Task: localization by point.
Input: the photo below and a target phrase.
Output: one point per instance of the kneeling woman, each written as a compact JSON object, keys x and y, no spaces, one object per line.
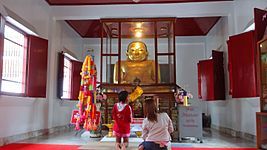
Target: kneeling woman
{"x":157,"y":128}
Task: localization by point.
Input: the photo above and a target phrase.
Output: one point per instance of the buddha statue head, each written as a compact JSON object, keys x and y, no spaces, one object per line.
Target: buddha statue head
{"x":137,"y":51}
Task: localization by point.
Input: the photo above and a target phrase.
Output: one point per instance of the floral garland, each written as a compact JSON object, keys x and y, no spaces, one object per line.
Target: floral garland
{"x":181,"y":96}
{"x":87,"y":97}
{"x":100,"y":96}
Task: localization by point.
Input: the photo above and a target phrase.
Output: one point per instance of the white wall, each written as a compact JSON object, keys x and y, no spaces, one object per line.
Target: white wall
{"x":143,"y":10}
{"x":62,"y":37}
{"x":22,"y":114}
{"x":95,"y":44}
{"x":189,"y":50}
{"x":34,"y":12}
{"x":244,"y":12}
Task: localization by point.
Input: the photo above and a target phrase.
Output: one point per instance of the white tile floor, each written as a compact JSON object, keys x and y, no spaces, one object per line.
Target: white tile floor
{"x":210,"y":139}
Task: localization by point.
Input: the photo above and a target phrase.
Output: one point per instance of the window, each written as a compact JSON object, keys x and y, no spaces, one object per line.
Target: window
{"x":67,"y":78}
{"x":14,"y":61}
{"x":24,"y":65}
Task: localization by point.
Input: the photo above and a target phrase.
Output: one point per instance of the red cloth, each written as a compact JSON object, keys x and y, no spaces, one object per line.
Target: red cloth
{"x":122,"y":119}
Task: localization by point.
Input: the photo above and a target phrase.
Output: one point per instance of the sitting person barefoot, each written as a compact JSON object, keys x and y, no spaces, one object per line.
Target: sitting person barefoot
{"x":141,"y":147}
{"x":157,"y":128}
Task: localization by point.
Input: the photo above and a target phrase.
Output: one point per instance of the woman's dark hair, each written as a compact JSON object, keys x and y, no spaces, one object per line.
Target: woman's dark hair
{"x":150,"y":110}
{"x":123,"y":96}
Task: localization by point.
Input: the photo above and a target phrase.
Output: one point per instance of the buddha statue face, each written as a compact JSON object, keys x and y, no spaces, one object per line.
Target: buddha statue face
{"x":137,"y":51}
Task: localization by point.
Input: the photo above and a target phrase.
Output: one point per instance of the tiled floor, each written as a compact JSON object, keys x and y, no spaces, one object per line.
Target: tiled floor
{"x":210,"y":139}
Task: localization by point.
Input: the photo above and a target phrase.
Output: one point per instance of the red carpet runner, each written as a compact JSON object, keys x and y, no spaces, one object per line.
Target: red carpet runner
{"x":195,"y":148}
{"x":21,"y":146}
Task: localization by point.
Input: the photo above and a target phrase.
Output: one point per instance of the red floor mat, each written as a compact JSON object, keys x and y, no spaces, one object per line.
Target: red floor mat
{"x":21,"y":146}
{"x":213,"y":148}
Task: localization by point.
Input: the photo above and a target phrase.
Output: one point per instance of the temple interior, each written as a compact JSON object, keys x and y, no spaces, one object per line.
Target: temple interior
{"x":63,"y":64}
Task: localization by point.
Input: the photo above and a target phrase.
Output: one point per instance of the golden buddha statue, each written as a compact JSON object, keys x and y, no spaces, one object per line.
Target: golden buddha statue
{"x":136,"y":66}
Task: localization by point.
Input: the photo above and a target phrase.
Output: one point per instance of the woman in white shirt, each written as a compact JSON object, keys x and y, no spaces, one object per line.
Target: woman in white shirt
{"x":157,"y":128}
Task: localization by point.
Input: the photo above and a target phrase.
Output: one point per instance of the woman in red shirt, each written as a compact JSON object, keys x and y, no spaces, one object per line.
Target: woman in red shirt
{"x":122,"y":116}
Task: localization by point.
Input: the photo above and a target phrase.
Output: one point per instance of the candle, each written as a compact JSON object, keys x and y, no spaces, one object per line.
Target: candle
{"x":185,"y":101}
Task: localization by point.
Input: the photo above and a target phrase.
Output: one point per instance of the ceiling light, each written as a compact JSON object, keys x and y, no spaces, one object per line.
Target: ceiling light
{"x":138,"y":32}
{"x":138,"y":25}
{"x":136,"y":1}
